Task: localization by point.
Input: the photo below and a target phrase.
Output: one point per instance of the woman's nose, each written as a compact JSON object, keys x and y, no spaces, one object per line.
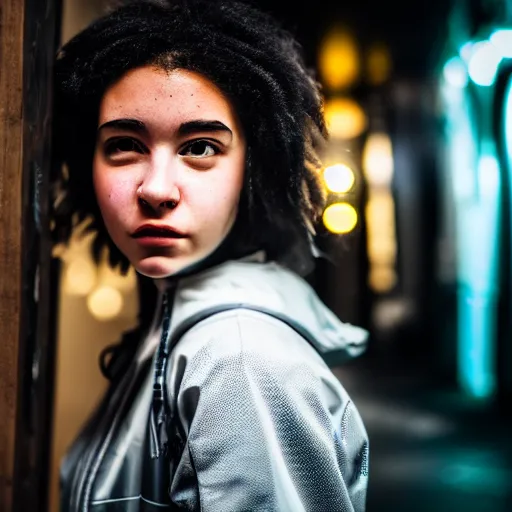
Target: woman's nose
{"x":159,"y":189}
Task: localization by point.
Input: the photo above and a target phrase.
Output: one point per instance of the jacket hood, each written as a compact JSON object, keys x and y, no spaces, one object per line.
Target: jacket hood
{"x":269,"y":287}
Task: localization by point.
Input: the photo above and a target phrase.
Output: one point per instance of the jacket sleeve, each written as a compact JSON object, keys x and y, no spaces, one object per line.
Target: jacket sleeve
{"x":267,"y":425}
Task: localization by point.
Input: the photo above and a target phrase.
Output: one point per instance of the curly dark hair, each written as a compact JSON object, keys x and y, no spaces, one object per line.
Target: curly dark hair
{"x":254,"y":61}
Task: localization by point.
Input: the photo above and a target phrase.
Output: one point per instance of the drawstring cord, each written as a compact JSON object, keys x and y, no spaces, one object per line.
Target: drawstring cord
{"x":158,"y":414}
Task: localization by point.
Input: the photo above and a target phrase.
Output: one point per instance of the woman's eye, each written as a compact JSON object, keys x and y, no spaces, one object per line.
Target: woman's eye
{"x":199,"y":149}
{"x":123,"y":145}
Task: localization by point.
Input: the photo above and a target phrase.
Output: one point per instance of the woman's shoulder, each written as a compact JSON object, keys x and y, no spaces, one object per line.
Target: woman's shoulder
{"x":245,"y":331}
{"x":260,"y":304}
{"x":237,"y":346}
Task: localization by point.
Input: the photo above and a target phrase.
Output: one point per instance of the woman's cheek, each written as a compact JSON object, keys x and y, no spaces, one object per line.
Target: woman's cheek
{"x":112,"y":195}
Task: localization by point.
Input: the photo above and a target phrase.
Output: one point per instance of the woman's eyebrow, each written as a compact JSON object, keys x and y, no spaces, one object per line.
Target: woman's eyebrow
{"x":190,"y":127}
{"x":133,"y":125}
{"x":201,"y":125}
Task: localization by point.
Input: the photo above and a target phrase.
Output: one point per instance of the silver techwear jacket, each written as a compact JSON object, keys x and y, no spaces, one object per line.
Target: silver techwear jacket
{"x":248,"y":416}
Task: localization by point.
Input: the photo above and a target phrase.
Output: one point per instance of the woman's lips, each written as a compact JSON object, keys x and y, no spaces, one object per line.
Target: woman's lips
{"x":157,"y":236}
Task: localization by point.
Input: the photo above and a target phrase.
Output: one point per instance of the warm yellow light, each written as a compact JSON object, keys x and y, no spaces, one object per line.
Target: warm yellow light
{"x":112,"y":277}
{"x":80,"y":276}
{"x":339,"y":178}
{"x":105,"y":303}
{"x":339,"y":62}
{"x":378,"y":159}
{"x":380,"y":208}
{"x":381,"y":239}
{"x":344,"y":118}
{"x":378,"y":64}
{"x":340,"y":218}
{"x":339,"y":59}
{"x":382,"y":279}
{"x":380,"y":227}
{"x":381,"y":250}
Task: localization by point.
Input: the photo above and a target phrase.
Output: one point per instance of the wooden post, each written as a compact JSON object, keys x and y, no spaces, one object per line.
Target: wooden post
{"x":11,"y":137}
{"x":27,"y":49}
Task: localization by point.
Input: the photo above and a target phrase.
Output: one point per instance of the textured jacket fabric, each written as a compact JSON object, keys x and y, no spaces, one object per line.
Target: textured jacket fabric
{"x":256,"y":420}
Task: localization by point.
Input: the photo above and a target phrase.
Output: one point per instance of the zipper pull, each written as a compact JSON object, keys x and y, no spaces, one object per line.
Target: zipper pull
{"x":158,"y":413}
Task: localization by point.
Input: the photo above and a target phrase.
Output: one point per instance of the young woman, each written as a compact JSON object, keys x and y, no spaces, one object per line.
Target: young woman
{"x":188,"y":133}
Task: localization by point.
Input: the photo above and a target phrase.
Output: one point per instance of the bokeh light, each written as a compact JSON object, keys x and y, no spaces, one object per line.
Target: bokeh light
{"x":382,"y":279}
{"x":344,"y":118}
{"x":105,"y":303}
{"x":378,"y":64}
{"x":502,"y":40}
{"x":455,"y":73}
{"x":339,"y":62}
{"x":339,"y":178}
{"x":80,"y":276}
{"x":488,"y":176}
{"x":483,"y":63}
{"x":378,"y":162}
{"x":340,"y":218}
{"x":466,"y":50}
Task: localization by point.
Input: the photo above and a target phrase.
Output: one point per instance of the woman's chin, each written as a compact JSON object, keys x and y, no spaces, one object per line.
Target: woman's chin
{"x":159,"y":267}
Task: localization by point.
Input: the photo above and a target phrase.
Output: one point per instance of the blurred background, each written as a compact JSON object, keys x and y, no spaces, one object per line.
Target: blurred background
{"x":418,"y":101}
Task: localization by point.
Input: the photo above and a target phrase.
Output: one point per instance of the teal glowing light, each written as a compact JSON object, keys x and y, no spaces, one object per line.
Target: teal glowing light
{"x":488,"y":177}
{"x":465,"y":51}
{"x":455,"y":73}
{"x":476,"y":471}
{"x":474,"y":183}
{"x":508,"y":121}
{"x":478,"y":260}
{"x":502,"y":40}
{"x":483,"y":63}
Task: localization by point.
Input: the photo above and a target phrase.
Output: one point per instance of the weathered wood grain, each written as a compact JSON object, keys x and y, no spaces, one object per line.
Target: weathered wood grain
{"x":27,"y":49}
{"x":11,"y":137}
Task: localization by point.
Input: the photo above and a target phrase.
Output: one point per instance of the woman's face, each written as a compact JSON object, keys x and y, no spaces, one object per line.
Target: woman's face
{"x":168,"y":168}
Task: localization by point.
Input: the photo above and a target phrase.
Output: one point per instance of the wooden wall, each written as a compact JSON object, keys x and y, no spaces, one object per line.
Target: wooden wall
{"x":27,"y":48}
{"x":11,"y":137}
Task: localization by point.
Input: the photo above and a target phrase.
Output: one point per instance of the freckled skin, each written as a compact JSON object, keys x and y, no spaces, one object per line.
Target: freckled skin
{"x":206,"y":188}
